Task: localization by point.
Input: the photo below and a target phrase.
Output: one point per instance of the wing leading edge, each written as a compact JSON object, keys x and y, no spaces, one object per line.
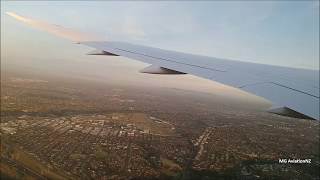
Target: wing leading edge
{"x":296,"y":89}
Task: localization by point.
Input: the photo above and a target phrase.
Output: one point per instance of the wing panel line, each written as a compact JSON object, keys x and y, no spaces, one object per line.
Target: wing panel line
{"x":277,"y":84}
{"x":170,"y":60}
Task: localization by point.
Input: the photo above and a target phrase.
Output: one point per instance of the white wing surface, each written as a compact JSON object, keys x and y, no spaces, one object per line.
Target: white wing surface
{"x":295,"y":89}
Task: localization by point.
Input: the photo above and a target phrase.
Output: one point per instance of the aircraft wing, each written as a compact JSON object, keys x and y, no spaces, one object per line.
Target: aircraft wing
{"x":296,"y":90}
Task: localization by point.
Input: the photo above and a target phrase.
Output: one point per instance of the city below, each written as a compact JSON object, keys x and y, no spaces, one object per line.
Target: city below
{"x":71,"y":129}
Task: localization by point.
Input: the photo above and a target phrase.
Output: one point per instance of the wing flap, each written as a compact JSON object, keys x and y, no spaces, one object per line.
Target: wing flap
{"x":284,"y":111}
{"x":282,"y":96}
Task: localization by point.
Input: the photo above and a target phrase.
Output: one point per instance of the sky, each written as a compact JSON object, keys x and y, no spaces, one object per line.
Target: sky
{"x":284,"y":33}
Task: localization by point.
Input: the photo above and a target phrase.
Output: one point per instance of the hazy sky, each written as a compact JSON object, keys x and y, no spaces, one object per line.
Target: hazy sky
{"x":282,"y":33}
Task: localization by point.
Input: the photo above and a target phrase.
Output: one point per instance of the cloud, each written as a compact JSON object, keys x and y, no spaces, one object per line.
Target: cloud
{"x":55,"y":29}
{"x":132,"y":28}
{"x":127,"y":29}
